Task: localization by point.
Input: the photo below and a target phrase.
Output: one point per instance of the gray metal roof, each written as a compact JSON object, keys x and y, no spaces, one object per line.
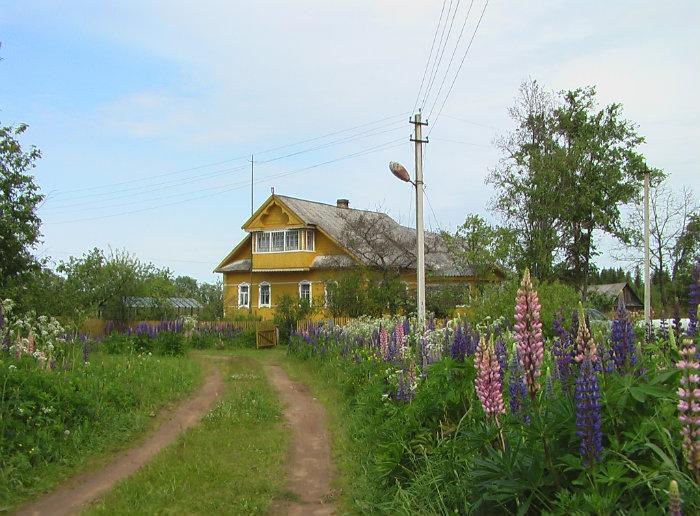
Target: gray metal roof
{"x":152,"y":302}
{"x":334,"y":221}
{"x":238,"y":265}
{"x":608,"y":289}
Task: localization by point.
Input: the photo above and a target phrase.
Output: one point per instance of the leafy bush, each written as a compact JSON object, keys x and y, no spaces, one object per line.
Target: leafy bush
{"x":423,"y":443}
{"x":496,"y":300}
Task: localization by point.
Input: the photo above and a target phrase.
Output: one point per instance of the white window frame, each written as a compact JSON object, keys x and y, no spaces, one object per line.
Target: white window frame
{"x":305,"y":237}
{"x":247,"y":285}
{"x":258,"y":237}
{"x":311,"y":290}
{"x":269,"y":295}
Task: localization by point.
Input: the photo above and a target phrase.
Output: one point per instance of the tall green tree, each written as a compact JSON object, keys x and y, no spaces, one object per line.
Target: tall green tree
{"x":599,"y":171}
{"x":567,"y":169}
{"x":19,"y":200}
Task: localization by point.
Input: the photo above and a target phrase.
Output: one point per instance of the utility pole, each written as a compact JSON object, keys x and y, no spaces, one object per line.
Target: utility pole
{"x":647,"y":266}
{"x":420,"y":232}
{"x":250,"y":287}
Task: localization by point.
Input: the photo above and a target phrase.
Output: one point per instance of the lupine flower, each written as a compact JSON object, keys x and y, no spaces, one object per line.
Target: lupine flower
{"x":472,"y":341}
{"x":516,"y":387}
{"x":677,"y":328}
{"x":501,"y":355}
{"x":528,"y":333}
{"x":689,"y":405}
{"x":588,"y":421}
{"x":663,"y":329}
{"x":407,"y":382}
{"x":383,"y":343}
{"x":400,"y":336}
{"x":407,"y":326}
{"x":622,"y":335}
{"x":488,"y":379}
{"x":562,"y":349}
{"x":674,"y":500}
{"x":585,"y":345}
{"x":459,"y":345}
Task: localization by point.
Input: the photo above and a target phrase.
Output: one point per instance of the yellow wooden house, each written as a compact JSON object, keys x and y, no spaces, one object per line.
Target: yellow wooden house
{"x":297,"y":247}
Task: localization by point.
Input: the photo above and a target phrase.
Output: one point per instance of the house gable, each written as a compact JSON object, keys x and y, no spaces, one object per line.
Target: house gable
{"x":273,"y":214}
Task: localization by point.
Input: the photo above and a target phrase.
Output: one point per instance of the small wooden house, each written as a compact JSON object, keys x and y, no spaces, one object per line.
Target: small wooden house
{"x":620,"y":292}
{"x":296,"y":247}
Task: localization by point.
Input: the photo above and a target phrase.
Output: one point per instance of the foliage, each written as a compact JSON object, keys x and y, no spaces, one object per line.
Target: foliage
{"x":52,"y":421}
{"x":568,"y":168}
{"x":19,"y":200}
{"x":495,"y":300}
{"x":288,"y":312}
{"x":600,"y":431}
{"x":478,"y":248}
{"x":363,"y":291}
{"x":441,"y":300}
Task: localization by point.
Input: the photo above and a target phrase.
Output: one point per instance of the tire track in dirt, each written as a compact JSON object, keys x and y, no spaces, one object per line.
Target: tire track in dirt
{"x":77,"y":492}
{"x":310,"y":468}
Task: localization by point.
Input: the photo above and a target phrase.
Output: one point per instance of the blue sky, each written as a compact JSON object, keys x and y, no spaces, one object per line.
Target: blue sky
{"x":131,"y":101}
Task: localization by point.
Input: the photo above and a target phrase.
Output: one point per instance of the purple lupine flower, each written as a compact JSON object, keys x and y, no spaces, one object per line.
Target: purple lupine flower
{"x":431,"y":324}
{"x":473,"y":339}
{"x":528,"y":333}
{"x":694,"y":301}
{"x":677,"y":328}
{"x":563,"y":351}
{"x":622,"y":335}
{"x":689,"y":405}
{"x":588,"y":419}
{"x":399,"y":335}
{"x":674,"y":500}
{"x":501,"y":355}
{"x":516,"y":387}
{"x":459,"y":345}
{"x":406,"y":326}
{"x":407,"y":381}
{"x":488,"y":379}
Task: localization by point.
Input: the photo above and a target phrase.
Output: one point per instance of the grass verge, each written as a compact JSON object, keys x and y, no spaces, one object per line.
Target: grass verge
{"x":54,"y":424}
{"x":232,"y":463}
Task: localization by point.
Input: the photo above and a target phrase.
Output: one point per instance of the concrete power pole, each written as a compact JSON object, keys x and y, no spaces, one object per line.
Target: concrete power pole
{"x":647,"y":266}
{"x":420,"y":232}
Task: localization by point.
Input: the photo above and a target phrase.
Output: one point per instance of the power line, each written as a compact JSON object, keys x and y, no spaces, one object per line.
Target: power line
{"x":442,"y":52}
{"x":433,"y":69}
{"x":466,"y":52}
{"x":430,"y":55}
{"x":471,"y":122}
{"x":461,"y":142}
{"x":449,"y":65}
{"x":177,"y":183}
{"x":387,"y":145}
{"x":237,"y":158}
{"x":174,"y":183}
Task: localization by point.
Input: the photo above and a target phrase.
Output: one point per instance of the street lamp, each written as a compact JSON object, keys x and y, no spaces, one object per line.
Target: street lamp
{"x":401,"y":173}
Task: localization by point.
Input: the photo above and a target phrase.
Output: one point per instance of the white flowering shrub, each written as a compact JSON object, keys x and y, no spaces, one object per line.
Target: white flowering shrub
{"x":40,"y":337}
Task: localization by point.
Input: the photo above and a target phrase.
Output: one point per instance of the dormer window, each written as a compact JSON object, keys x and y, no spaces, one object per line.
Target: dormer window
{"x":287,"y":240}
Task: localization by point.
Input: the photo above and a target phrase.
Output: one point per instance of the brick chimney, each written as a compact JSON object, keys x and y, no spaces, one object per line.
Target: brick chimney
{"x":342,"y":203}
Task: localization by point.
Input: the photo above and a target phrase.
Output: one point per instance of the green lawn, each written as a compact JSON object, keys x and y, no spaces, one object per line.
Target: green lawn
{"x":232,"y":463}
{"x":54,"y":424}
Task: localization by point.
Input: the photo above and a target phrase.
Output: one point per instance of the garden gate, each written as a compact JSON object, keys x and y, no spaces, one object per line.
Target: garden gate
{"x":266,"y":334}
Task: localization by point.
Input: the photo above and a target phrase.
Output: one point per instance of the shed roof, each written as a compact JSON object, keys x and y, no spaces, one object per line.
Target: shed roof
{"x":152,"y":302}
{"x":615,"y":290}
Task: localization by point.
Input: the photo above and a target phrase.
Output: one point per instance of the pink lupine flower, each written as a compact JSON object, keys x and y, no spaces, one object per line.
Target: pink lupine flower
{"x":488,"y":378}
{"x":31,"y":344}
{"x":383,"y":342}
{"x":528,"y":333}
{"x":585,"y":345}
{"x":689,"y":405}
{"x":400,"y":335}
{"x":674,"y":500}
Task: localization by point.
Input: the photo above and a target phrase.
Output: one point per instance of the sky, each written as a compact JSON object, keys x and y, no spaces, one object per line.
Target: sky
{"x":147,"y":112}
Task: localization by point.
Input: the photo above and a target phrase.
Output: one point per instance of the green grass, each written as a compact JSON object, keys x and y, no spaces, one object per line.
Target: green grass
{"x":54,"y":424}
{"x":232,"y":463}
